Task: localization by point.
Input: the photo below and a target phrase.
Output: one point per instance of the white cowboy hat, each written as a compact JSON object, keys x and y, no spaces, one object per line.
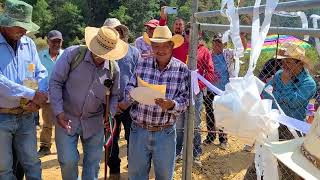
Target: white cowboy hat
{"x":302,"y":155}
{"x":105,"y":43}
{"x":163,"y":34}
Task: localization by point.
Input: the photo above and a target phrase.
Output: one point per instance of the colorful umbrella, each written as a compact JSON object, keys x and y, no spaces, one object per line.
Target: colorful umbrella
{"x":270,"y":44}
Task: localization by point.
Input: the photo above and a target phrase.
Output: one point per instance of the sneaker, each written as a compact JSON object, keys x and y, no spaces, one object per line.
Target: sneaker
{"x":207,"y":141}
{"x":179,"y":158}
{"x":114,"y":177}
{"x":223,"y":145}
{"x":248,"y":148}
{"x":197,"y":161}
{"x":44,"y":151}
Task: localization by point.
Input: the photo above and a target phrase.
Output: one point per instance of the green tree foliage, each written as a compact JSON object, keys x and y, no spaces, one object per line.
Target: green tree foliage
{"x":135,"y":13}
{"x":43,"y":17}
{"x":69,"y":21}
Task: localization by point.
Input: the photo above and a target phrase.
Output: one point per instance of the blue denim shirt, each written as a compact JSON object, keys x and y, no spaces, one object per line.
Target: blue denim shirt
{"x":80,"y":93}
{"x":221,"y":71}
{"x":294,"y":96}
{"x":47,"y":62}
{"x":13,"y":70}
{"x":127,"y":67}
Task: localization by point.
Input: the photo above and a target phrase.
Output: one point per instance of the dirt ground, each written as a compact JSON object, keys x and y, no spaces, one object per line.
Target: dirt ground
{"x":216,"y":163}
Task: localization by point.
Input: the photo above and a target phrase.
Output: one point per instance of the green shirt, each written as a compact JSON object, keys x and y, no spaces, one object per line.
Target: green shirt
{"x":47,"y":62}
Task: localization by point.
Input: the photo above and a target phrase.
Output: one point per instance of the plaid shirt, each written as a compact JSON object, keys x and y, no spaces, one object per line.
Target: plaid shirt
{"x":176,"y":78}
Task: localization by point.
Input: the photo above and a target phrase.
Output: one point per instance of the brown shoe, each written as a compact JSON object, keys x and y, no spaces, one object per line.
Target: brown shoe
{"x":114,"y":177}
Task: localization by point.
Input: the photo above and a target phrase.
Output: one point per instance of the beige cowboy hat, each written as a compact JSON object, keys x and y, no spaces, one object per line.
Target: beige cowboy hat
{"x":115,"y":23}
{"x":105,"y":43}
{"x":163,"y":34}
{"x":301,"y":155}
{"x":294,"y":51}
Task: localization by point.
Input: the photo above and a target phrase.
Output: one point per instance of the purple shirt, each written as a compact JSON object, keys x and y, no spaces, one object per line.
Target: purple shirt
{"x":142,"y":46}
{"x":80,"y":93}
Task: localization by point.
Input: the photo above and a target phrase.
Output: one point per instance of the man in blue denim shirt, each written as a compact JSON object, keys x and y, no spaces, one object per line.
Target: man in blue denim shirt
{"x":17,"y":127}
{"x":222,"y":76}
{"x":127,"y":67}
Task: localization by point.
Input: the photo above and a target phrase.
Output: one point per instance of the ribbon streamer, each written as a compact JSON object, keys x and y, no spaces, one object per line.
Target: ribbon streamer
{"x":259,"y":34}
{"x":315,"y":19}
{"x":290,"y":122}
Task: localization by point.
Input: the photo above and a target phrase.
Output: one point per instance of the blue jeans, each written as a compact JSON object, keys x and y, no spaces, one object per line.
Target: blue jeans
{"x":160,"y":147}
{"x":68,"y":155}
{"x":197,"y":150}
{"x":19,"y":131}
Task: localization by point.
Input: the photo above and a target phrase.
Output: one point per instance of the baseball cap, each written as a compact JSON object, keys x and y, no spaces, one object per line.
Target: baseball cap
{"x":55,"y":34}
{"x":152,"y":23}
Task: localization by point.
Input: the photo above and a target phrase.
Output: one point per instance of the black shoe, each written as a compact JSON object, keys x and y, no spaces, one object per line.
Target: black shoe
{"x":207,"y":141}
{"x":44,"y":151}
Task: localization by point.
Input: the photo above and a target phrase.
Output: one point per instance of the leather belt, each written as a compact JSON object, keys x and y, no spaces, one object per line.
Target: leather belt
{"x":15,"y":111}
{"x":153,"y":128}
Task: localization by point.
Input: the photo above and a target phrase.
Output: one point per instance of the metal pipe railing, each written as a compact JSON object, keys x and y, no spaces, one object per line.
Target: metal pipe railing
{"x":272,"y":30}
{"x":284,"y":6}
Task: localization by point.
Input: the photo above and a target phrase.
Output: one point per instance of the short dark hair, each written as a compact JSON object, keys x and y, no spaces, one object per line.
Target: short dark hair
{"x":179,"y":19}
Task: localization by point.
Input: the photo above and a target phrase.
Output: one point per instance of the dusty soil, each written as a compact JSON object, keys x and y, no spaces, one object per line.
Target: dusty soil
{"x":216,"y":163}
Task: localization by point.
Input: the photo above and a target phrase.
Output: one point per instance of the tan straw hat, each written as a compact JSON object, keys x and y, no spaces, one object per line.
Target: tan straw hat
{"x":105,"y":43}
{"x":163,"y":34}
{"x":302,"y":155}
{"x":294,"y":51}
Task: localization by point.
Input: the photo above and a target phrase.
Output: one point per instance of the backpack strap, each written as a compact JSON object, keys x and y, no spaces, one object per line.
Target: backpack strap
{"x":76,"y":61}
{"x":112,"y":65}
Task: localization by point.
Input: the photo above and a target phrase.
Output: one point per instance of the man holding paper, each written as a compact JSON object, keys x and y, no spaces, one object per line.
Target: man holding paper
{"x":163,"y":95}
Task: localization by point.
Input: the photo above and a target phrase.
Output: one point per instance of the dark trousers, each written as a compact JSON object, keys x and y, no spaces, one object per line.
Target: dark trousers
{"x":114,"y":160}
{"x":211,"y":125}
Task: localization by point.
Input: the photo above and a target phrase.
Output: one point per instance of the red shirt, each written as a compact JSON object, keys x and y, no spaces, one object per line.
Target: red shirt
{"x":205,"y":65}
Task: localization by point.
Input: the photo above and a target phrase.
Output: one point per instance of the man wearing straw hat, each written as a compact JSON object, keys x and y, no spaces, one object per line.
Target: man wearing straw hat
{"x":144,"y":48}
{"x":19,"y":61}
{"x":127,"y":67}
{"x":153,"y":131}
{"x":77,"y":96}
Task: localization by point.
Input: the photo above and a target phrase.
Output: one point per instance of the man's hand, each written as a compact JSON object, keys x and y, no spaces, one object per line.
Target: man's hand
{"x":31,"y":107}
{"x":165,"y":104}
{"x":40,"y":98}
{"x":63,"y":122}
{"x":163,"y":15}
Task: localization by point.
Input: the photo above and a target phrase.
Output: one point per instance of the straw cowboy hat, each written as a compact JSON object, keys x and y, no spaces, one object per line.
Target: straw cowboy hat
{"x":18,"y":13}
{"x":163,"y":34}
{"x":115,"y":23}
{"x":302,"y":155}
{"x":105,"y":43}
{"x":294,"y":51}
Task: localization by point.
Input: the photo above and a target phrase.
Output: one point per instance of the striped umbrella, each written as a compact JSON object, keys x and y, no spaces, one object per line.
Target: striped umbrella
{"x":270,"y":44}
